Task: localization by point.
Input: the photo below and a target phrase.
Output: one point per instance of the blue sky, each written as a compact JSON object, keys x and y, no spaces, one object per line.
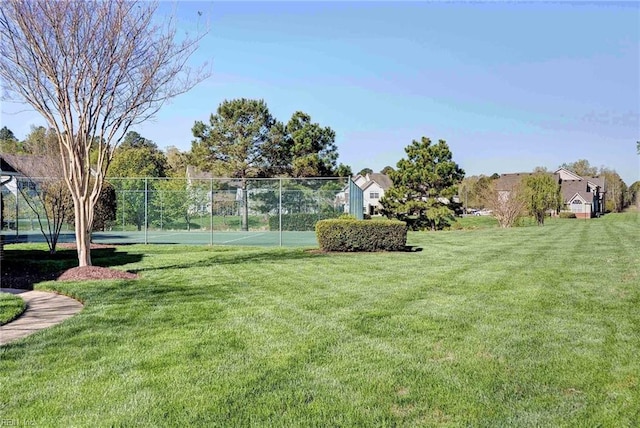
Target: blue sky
{"x":510,"y":86}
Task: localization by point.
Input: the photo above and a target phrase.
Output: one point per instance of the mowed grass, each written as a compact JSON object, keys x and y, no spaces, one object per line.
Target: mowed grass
{"x":531,"y":326}
{"x":10,"y":307}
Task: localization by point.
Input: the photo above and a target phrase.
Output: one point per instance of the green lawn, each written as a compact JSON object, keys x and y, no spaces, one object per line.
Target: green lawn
{"x":530,"y":326}
{"x":10,"y":307}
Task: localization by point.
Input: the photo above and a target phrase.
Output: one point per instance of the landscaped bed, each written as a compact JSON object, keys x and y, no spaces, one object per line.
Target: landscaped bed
{"x":530,"y":326}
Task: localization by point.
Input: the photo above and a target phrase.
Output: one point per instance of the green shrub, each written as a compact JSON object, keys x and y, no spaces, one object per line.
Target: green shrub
{"x":361,"y":235}
{"x":564,"y":214}
{"x":298,"y":221}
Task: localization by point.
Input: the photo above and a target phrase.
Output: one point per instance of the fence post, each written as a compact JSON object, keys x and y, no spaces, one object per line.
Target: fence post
{"x":146,"y":209}
{"x":122,"y":190}
{"x":17,"y":210}
{"x":280,"y":210}
{"x":211,"y":210}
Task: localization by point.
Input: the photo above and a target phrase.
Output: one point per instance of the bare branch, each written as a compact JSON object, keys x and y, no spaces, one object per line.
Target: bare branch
{"x":506,"y":203}
{"x":92,"y":69}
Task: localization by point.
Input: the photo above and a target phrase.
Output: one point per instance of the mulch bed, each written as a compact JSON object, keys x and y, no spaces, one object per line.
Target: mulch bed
{"x":94,"y":272}
{"x":23,"y":276}
{"x":72,"y":246}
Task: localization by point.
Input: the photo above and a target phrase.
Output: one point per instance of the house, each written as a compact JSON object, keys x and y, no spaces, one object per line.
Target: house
{"x":8,"y":184}
{"x":22,"y":172}
{"x":373,"y":186}
{"x":19,"y":173}
{"x":582,"y":196}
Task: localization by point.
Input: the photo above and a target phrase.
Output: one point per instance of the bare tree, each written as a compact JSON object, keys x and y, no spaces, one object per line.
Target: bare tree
{"x":92,"y":69}
{"x":49,"y":199}
{"x":44,"y":189}
{"x":505,"y":201}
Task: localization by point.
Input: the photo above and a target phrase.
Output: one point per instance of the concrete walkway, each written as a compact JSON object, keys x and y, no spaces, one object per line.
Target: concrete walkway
{"x":43,"y":310}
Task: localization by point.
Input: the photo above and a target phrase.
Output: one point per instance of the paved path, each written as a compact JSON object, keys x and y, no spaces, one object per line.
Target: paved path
{"x":43,"y":310}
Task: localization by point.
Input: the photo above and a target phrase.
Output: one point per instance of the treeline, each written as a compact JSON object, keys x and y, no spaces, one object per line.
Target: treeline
{"x":473,"y":189}
{"x":242,"y":139}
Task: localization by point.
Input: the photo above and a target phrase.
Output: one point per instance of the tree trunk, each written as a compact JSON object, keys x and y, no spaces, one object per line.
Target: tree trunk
{"x":83,"y":231}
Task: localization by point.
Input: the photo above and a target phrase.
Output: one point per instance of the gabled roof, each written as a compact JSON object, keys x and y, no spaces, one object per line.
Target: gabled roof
{"x":364,"y":181}
{"x":581,"y":197}
{"x":383,"y":180}
{"x":565,"y":174}
{"x":25,"y":165}
{"x":596,"y":181}
{"x":6,"y":167}
{"x":371,"y":183}
{"x":571,"y":184}
{"x":571,"y":188}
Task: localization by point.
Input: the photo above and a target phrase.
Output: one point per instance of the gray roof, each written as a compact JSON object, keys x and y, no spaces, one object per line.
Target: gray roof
{"x":598,"y":181}
{"x":569,"y":189}
{"x":26,"y":165}
{"x":383,"y":180}
{"x":509,"y":181}
{"x":6,"y":167}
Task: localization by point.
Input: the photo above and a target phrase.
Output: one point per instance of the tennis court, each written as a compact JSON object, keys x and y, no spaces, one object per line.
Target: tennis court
{"x":206,"y":211}
{"x":249,"y":238}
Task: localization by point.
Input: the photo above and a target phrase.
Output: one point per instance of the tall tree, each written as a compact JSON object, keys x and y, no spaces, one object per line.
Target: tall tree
{"x":313,"y":149}
{"x":276,"y":151}
{"x":542,"y":193}
{"x":423,"y":186}
{"x":343,"y":170}
{"x":616,"y":198}
{"x":634,"y":193}
{"x":176,"y":162}
{"x":176,"y":200}
{"x":7,"y":134}
{"x":365,"y":171}
{"x":232,"y":143}
{"x":136,"y":159}
{"x":41,"y":141}
{"x":581,"y":167}
{"x":9,"y":144}
{"x":387,"y":170}
{"x":473,"y":190}
{"x":92,"y":70}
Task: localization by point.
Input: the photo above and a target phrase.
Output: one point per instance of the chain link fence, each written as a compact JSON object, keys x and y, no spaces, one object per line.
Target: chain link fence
{"x":145,"y":210}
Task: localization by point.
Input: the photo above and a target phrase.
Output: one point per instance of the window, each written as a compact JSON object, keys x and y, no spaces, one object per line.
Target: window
{"x":374,"y":195}
{"x":576,"y":206}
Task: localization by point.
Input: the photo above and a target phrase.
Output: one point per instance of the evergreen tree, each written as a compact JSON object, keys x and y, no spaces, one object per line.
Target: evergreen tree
{"x":424,"y":185}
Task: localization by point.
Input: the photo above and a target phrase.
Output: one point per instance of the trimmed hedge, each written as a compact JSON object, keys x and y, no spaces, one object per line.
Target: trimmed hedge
{"x":565,"y":214}
{"x":361,"y":235}
{"x":299,"y":221}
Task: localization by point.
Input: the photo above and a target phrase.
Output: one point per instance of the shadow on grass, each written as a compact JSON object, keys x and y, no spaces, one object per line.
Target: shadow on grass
{"x":23,"y":268}
{"x":235,"y":257}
